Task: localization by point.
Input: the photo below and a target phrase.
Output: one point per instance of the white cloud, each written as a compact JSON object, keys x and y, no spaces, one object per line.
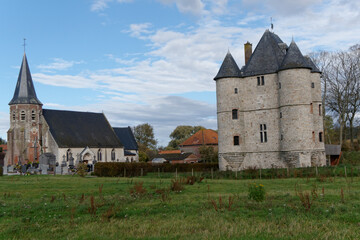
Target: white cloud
{"x":58,"y":64}
{"x":4,"y":124}
{"x":195,"y":7}
{"x":138,"y":30}
{"x":99,"y":5}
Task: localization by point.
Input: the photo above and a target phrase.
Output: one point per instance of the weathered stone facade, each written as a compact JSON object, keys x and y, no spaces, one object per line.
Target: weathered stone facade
{"x":269,"y":117}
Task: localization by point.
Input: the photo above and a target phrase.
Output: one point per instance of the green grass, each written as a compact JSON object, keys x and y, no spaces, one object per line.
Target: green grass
{"x":51,"y":207}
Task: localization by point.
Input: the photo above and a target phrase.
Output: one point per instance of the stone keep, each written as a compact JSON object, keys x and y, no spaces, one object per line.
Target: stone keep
{"x":269,"y":113}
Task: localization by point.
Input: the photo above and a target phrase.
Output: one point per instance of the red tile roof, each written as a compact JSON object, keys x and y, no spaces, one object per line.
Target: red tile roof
{"x":4,"y":147}
{"x":169,"y":151}
{"x":202,"y":137}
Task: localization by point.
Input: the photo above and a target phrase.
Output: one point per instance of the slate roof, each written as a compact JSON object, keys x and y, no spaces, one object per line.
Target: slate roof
{"x":228,"y":68}
{"x":173,"y":156}
{"x":267,"y":56}
{"x":24,"y":91}
{"x":270,"y":56}
{"x":202,"y":137}
{"x":126,"y":137}
{"x":331,"y":149}
{"x":294,"y":58}
{"x":72,"y":129}
{"x":312,"y":65}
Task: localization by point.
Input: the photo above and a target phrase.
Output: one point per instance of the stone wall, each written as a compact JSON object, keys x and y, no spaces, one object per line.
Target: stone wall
{"x":286,"y":112}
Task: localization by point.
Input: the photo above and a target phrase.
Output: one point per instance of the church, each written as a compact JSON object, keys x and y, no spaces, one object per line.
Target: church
{"x":69,"y":137}
{"x":269,"y":112}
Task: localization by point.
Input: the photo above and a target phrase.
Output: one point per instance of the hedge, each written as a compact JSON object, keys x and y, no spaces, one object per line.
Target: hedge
{"x":110,"y":169}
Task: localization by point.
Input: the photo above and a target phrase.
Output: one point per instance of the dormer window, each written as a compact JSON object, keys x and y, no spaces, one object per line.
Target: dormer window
{"x":260,"y":81}
{"x":22,"y":115}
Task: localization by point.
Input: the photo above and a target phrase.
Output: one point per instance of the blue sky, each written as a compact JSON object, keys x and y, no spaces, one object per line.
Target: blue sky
{"x":151,"y":61}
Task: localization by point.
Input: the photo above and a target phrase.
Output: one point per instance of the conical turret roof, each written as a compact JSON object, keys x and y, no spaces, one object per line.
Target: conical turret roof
{"x":267,"y":56}
{"x":294,"y":58}
{"x":228,"y":68}
{"x":24,"y":91}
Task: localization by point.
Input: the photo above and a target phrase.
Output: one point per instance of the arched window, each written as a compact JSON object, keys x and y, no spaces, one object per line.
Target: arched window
{"x":13,"y":116}
{"x":33,"y":115}
{"x":68,"y":155}
{"x":22,"y":114}
{"x":99,"y":155}
{"x":234,"y":114}
{"x":113,"y":154}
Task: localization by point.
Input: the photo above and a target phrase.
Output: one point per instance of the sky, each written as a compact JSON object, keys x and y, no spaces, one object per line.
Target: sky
{"x":151,"y":61}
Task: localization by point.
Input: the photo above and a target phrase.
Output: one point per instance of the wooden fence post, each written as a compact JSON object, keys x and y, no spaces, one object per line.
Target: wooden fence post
{"x":316,"y":171}
{"x":175,"y":173}
{"x":192,"y":172}
{"x":124,"y":172}
{"x":260,"y":173}
{"x":158,"y":172}
{"x":142,"y":172}
{"x":212,"y":173}
{"x":287,"y":172}
{"x":236,"y":173}
{"x":345,"y":171}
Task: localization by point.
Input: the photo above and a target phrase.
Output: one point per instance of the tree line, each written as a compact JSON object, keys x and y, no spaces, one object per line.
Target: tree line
{"x":340,"y":81}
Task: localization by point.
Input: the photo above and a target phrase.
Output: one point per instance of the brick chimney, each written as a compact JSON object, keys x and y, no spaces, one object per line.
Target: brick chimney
{"x":248,"y":51}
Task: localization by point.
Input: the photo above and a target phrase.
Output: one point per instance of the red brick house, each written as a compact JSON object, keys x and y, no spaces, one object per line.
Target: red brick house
{"x":204,"y":137}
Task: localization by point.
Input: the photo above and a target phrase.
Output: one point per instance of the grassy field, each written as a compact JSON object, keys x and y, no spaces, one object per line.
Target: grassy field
{"x":71,"y":207}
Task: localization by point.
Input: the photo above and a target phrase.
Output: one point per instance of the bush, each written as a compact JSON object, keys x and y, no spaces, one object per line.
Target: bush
{"x":1,"y":171}
{"x":256,"y":192}
{"x":117,"y":169}
{"x":81,"y":169}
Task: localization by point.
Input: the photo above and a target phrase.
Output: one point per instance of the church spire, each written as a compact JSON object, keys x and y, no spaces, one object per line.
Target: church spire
{"x":24,"y":91}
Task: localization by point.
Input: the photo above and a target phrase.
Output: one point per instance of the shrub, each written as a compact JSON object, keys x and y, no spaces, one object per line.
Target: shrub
{"x":256,"y":192}
{"x":176,"y":185}
{"x":1,"y":171}
{"x":81,"y":169}
{"x":137,"y":190}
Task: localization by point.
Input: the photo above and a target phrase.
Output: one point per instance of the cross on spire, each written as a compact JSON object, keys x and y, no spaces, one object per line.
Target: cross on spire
{"x":24,"y":44}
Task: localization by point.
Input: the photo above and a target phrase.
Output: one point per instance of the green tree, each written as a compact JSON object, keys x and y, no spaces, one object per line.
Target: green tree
{"x":145,"y":138}
{"x":180,"y":134}
{"x":208,"y":154}
{"x":2,"y":141}
{"x":144,"y":135}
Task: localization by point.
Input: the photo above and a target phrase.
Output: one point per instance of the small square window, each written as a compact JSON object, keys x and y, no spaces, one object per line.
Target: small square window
{"x":258,"y":81}
{"x":234,"y":114}
{"x":279,"y":85}
{"x":280,"y":114}
{"x":235,"y":90}
{"x":312,"y":85}
{"x":262,"y":80}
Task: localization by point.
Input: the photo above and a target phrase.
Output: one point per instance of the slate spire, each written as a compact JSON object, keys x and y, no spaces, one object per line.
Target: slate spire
{"x":228,"y":68}
{"x":294,"y":58}
{"x":24,"y":91}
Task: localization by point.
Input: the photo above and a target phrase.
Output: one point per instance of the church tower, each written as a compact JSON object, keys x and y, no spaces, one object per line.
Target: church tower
{"x":25,"y":109}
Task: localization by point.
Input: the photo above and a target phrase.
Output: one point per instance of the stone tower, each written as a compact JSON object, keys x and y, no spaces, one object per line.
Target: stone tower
{"x":25,"y":110}
{"x":269,"y":112}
